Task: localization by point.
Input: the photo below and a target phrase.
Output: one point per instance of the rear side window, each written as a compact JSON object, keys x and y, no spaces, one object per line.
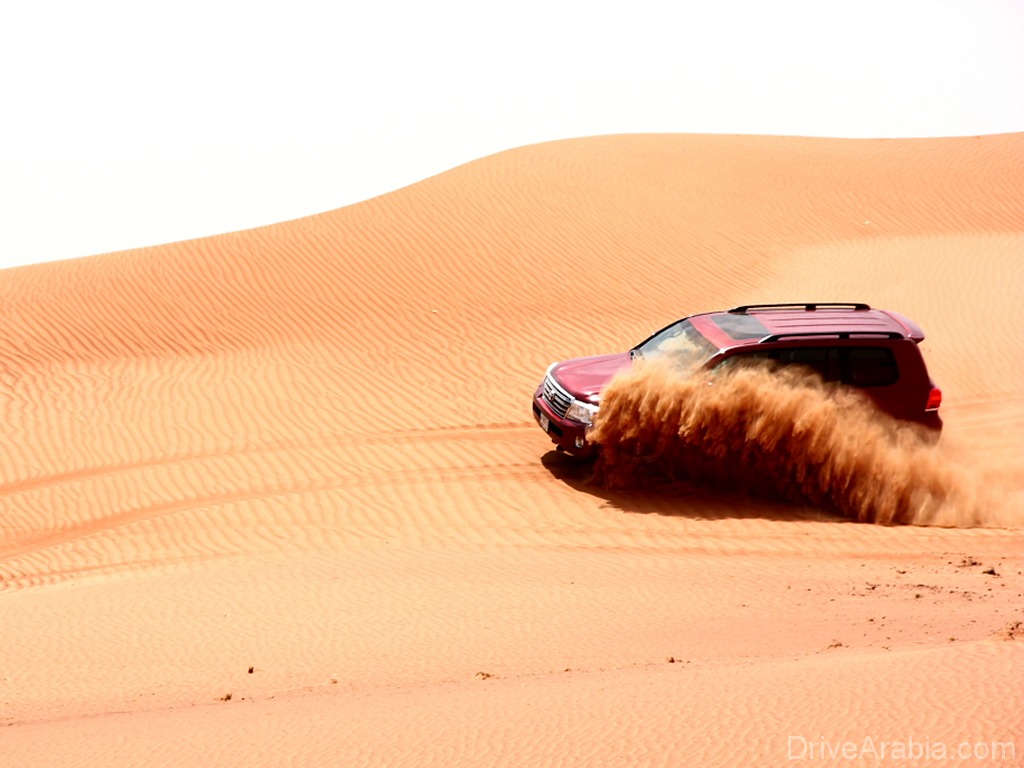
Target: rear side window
{"x":871,"y":366}
{"x":855,"y":366}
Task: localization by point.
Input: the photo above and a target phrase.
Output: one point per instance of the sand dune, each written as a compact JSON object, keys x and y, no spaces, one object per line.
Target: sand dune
{"x":306,"y":450}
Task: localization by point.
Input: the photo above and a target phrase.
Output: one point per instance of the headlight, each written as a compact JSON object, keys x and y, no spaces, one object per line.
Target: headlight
{"x":581,"y":412}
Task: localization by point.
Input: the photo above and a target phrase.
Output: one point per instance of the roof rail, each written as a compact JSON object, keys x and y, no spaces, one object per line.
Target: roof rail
{"x":831,"y":334}
{"x":809,"y":306}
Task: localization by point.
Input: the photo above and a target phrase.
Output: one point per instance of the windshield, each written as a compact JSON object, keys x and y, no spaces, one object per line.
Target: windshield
{"x":680,"y":344}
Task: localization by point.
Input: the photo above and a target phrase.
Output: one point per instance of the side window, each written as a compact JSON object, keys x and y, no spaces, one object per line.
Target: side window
{"x":743,"y":359}
{"x":854,"y":366}
{"x":871,"y":367}
{"x":822,"y":360}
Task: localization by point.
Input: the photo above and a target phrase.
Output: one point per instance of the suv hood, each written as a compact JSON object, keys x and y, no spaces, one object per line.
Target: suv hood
{"x":585,"y":377}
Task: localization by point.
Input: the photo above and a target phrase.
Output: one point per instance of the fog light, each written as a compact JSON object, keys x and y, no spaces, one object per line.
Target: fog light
{"x":580,"y":442}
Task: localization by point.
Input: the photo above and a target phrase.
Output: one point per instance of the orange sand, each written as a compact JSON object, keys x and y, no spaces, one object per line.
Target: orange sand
{"x":275,"y":497}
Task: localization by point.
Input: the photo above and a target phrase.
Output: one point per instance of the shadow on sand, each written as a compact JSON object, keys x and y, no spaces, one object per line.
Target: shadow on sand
{"x":680,"y":498}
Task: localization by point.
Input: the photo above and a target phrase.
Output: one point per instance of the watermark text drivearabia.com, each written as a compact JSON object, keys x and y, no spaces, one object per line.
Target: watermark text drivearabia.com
{"x":910,"y":748}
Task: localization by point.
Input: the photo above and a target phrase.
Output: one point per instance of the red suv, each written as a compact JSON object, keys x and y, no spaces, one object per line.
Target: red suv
{"x":871,"y":349}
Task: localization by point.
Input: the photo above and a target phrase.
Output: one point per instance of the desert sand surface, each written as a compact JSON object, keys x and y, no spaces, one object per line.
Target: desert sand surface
{"x":275,"y":497}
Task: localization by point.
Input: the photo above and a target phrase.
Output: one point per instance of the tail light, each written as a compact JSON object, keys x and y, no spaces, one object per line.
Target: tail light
{"x":934,"y":399}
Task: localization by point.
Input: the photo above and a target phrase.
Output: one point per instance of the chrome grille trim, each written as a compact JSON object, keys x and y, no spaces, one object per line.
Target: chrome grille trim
{"x":556,"y":397}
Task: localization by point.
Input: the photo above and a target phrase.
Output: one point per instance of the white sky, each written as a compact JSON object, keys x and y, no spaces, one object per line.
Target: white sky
{"x":127,"y":123}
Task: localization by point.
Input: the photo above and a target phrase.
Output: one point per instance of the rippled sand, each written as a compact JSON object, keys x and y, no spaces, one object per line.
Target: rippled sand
{"x":275,"y":497}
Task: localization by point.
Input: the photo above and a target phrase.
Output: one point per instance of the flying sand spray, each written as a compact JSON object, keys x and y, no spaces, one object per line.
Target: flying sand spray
{"x":782,"y":433}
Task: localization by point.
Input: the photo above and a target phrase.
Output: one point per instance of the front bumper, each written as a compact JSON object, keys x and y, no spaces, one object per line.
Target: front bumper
{"x":568,"y":435}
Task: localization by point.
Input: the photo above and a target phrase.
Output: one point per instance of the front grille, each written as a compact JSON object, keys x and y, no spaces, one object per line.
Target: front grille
{"x":556,"y":397}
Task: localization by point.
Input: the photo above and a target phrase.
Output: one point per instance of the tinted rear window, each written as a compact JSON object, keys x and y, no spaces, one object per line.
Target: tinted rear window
{"x":871,"y":366}
{"x":856,"y":366}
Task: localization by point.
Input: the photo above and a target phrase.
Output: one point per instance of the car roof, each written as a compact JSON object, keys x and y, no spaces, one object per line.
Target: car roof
{"x":764,"y":323}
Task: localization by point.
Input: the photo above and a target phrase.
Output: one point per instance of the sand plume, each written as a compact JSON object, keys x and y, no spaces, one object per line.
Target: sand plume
{"x":784,"y":433}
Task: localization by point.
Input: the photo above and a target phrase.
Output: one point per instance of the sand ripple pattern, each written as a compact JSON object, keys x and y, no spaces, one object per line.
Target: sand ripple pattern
{"x":144,"y":385}
{"x":297,"y":464}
